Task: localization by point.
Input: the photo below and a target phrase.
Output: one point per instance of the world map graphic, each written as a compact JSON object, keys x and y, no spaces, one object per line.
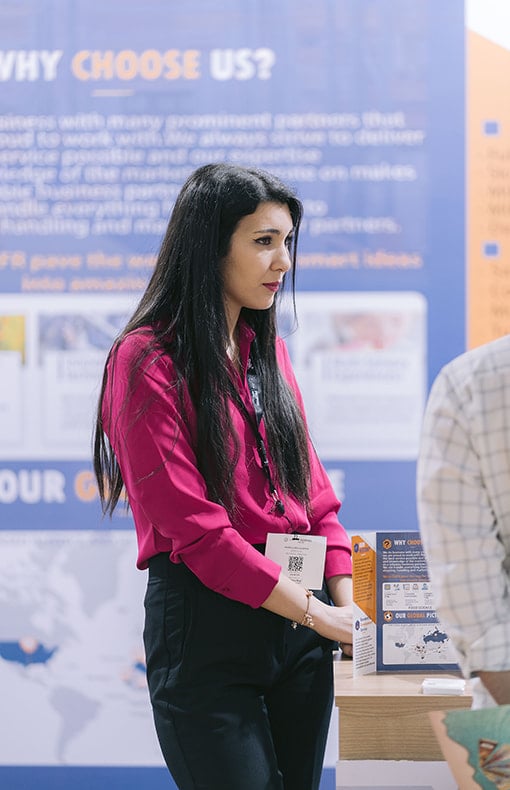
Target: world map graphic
{"x":409,"y":643}
{"x":71,"y":655}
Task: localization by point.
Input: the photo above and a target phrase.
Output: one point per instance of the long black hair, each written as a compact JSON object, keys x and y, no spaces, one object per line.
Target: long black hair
{"x":183,"y":305}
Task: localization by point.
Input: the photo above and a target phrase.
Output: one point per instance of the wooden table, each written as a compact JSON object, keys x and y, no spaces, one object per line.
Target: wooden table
{"x":383,"y":717}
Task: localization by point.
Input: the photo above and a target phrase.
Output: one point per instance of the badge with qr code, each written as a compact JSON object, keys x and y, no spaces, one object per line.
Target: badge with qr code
{"x":301,"y":557}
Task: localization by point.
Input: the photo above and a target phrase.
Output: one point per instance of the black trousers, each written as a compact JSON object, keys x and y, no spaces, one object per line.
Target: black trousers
{"x":241,"y":700}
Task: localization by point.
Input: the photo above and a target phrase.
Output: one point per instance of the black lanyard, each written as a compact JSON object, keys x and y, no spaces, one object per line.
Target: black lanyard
{"x":255,"y":386}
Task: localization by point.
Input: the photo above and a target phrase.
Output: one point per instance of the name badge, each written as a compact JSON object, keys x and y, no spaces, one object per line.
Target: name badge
{"x":301,"y":557}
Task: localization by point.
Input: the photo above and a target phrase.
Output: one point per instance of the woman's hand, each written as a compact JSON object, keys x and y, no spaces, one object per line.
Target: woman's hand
{"x":346,"y":649}
{"x":289,"y":600}
{"x":340,"y":591}
{"x":333,"y":622}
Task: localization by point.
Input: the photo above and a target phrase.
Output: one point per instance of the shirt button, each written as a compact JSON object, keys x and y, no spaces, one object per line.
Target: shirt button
{"x":290,"y":530}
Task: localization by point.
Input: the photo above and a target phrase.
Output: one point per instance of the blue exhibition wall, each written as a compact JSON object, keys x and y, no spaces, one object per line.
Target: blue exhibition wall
{"x":105,"y":109}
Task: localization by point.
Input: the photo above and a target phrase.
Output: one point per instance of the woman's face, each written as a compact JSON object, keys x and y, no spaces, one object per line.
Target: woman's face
{"x":258,"y":257}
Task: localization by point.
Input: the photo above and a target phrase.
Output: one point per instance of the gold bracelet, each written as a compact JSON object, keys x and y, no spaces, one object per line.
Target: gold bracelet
{"x":307,"y":617}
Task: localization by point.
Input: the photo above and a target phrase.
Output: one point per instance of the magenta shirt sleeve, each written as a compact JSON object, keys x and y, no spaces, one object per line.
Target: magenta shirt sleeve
{"x":167,"y":494}
{"x":324,"y":503}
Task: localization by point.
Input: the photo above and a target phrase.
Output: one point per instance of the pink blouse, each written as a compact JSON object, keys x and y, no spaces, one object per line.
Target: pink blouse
{"x":153,"y":444}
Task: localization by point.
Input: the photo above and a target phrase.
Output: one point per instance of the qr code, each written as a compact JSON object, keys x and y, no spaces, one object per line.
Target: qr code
{"x":295,"y":564}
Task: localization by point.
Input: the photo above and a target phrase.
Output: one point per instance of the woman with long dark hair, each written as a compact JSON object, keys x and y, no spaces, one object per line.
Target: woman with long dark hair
{"x":200,"y":420}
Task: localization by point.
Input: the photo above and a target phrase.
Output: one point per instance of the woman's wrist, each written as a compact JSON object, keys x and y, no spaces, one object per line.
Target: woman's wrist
{"x":307,"y":619}
{"x":318,"y":614}
{"x":332,"y":622}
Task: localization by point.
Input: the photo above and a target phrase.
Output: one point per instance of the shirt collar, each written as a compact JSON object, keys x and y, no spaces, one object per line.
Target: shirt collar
{"x":246,"y":337}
